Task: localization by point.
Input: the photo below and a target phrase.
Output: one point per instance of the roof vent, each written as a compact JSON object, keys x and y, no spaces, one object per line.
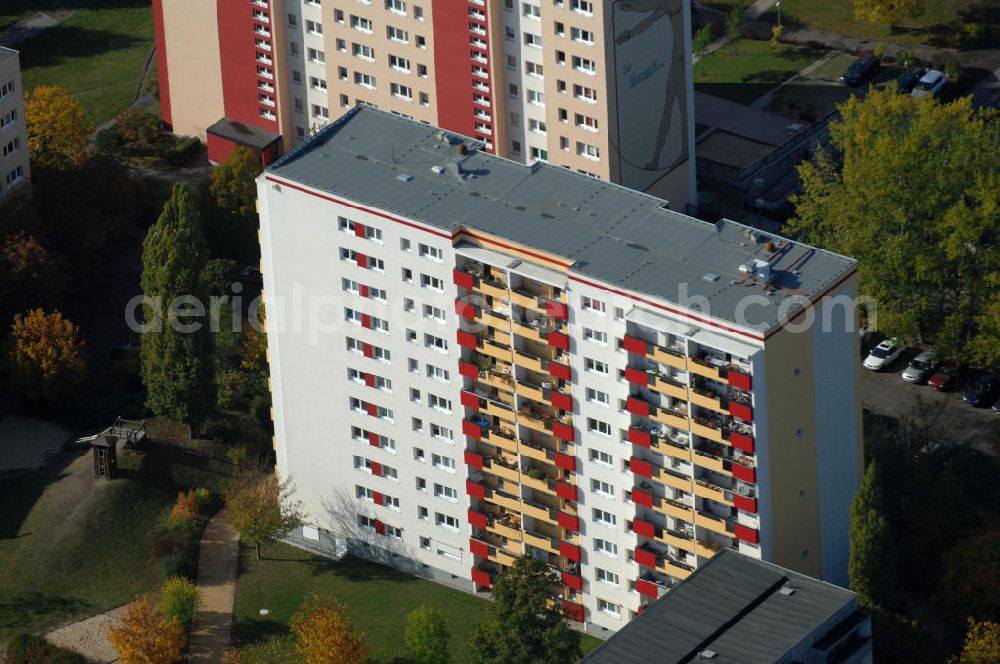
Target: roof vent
{"x":757,"y":268}
{"x":786,"y":590}
{"x":710,"y":276}
{"x":438,"y":169}
{"x":707,"y":654}
{"x":404,"y":177}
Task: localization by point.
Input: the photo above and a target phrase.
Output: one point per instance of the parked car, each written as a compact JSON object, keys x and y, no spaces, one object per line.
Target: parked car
{"x":883,"y":355}
{"x":980,"y":390}
{"x":919,"y":368}
{"x":908,"y":79}
{"x":946,"y":376}
{"x":931,"y":83}
{"x":860,"y":69}
{"x":996,"y":407}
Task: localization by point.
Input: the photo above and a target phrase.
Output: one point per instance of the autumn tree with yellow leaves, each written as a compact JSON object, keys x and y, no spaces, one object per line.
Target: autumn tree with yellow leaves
{"x":145,"y":637}
{"x":45,"y":355}
{"x":888,"y":12}
{"x":58,"y":131}
{"x":982,"y":643}
{"x":324,"y":635}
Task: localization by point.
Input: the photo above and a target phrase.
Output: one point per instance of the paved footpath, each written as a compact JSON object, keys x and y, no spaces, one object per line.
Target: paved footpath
{"x":217,"y":561}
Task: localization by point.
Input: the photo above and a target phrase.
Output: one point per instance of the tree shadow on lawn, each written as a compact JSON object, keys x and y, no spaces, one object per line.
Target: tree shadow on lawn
{"x":24,"y":610}
{"x":57,"y":45}
{"x":255,"y":630}
{"x":19,"y":494}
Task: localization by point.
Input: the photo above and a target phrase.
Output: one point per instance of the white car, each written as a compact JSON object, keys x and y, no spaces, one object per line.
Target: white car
{"x":930,"y":83}
{"x":883,"y":355}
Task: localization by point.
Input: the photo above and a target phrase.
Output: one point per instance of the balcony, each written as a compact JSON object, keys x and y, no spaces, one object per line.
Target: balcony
{"x":711,"y":491}
{"x":652,"y":585}
{"x":667,"y":356}
{"x":714,"y":522}
{"x":532,"y":330}
{"x":653,"y":557}
{"x":541,"y":541}
{"x":503,"y":468}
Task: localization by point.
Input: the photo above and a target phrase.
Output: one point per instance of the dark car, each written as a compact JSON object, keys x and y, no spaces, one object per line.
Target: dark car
{"x":908,"y":79}
{"x":980,"y":390}
{"x":945,"y":376}
{"x":860,"y":69}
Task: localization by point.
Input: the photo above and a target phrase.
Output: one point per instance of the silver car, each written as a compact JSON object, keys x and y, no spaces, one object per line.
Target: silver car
{"x":919,"y":368}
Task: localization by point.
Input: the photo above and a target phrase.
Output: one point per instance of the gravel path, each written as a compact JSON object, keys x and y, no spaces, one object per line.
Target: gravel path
{"x":217,"y":561}
{"x":89,"y":636}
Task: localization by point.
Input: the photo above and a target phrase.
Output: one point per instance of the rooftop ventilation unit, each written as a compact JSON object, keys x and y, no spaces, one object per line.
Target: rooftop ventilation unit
{"x":707,"y":654}
{"x":404,"y":177}
{"x":758,"y":269}
{"x":786,"y":589}
{"x":438,"y":169}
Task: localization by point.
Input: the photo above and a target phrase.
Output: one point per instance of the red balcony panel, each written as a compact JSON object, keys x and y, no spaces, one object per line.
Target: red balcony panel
{"x":481,"y":578}
{"x":360,"y":230}
{"x":647,"y":588}
{"x":558,"y":340}
{"x":379,"y":528}
{"x":469,"y":400}
{"x":370,"y":380}
{"x":739,"y":410}
{"x":366,"y":321}
{"x":637,"y":407}
{"x":744,"y":473}
{"x":376,"y":468}
{"x":561,"y":371}
{"x":634,"y":345}
{"x":640,"y":467}
{"x":745,"y":504}
{"x":477,"y":519}
{"x":644,"y":529}
{"x":739,"y":379}
{"x":565,"y":461}
{"x":642,"y":498}
{"x":378,"y":498}
{"x":564,"y":432}
{"x":468,"y":370}
{"x":641,"y":438}
{"x":363,"y":290}
{"x":481,"y":549}
{"x":362,"y":259}
{"x":557,"y":310}
{"x":465,"y":309}
{"x":566,"y":491}
{"x":746,"y":534}
{"x":741,"y":442}
{"x":475,"y":489}
{"x":372,"y":409}
{"x":645,"y":558}
{"x":561,"y":401}
{"x":368,"y":350}
{"x":467,"y":339}
{"x":571,"y":551}
{"x":574,"y":611}
{"x":473,"y":459}
{"x":472,"y":429}
{"x":636,"y":376}
{"x":373,"y":439}
{"x":572,"y":580}
{"x":463,"y":279}
{"x":568,"y":521}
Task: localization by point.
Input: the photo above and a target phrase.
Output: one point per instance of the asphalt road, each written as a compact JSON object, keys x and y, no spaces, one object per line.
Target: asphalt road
{"x":886,"y":393}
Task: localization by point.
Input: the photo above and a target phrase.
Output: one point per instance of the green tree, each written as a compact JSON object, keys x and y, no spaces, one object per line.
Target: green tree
{"x":734,"y":23}
{"x":872,"y":566}
{"x":179,"y":600}
{"x":176,"y":357}
{"x":261,"y":508}
{"x":233,"y":183}
{"x":889,"y":12}
{"x":702,"y":40}
{"x":970,"y":579}
{"x":911,"y":190}
{"x":427,"y":636}
{"x":523,"y":625}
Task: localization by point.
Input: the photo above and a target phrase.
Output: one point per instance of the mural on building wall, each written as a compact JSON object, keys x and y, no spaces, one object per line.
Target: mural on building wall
{"x":649,"y":56}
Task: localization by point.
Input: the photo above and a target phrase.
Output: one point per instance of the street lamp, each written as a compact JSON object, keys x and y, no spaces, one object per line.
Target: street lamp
{"x":778,"y":5}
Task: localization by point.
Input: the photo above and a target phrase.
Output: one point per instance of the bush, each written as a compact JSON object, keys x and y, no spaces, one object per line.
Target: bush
{"x":33,"y":649}
{"x":976,"y":35}
{"x":179,"y":600}
{"x":234,"y":389}
{"x":170,"y":541}
{"x":109,"y":141}
{"x":182,"y":151}
{"x":173,"y":565}
{"x":139,"y":129}
{"x":260,"y":409}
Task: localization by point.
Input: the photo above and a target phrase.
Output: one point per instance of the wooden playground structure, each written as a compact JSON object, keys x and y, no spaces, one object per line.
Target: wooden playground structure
{"x":105,"y":444}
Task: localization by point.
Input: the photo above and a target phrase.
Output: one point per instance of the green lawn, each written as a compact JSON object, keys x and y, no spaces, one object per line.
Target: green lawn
{"x":378,"y":600}
{"x":98,"y":54}
{"x":755,"y":68}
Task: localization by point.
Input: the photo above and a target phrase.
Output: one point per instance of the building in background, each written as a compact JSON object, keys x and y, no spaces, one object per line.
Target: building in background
{"x":735,"y":610}
{"x":603,"y":87}
{"x":15,"y":169}
{"x":474,"y":359}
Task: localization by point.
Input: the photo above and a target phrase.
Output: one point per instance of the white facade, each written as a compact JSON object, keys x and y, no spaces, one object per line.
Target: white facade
{"x":15,"y":169}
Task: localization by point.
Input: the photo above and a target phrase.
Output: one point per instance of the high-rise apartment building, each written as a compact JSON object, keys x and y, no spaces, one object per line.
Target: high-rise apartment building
{"x":473,"y":359}
{"x":602,"y":87}
{"x":15,"y":169}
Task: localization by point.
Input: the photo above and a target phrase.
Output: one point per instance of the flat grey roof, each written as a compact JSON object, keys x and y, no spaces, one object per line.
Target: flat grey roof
{"x":609,"y":233}
{"x":732,"y":606}
{"x":6,"y":54}
{"x":731,"y":149}
{"x":243,"y":134}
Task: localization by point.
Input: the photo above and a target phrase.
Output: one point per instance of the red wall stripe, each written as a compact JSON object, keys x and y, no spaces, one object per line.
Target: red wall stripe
{"x":160,"y":35}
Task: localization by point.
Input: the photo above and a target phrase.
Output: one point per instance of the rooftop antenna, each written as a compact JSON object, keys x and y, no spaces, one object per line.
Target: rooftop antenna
{"x":393,"y":149}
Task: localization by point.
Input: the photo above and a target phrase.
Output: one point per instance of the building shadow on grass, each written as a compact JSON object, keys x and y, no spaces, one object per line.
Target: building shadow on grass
{"x":25,"y":609}
{"x":66,"y":42}
{"x":19,"y":493}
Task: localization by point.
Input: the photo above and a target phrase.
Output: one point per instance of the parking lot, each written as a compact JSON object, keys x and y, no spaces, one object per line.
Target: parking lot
{"x":886,"y":393}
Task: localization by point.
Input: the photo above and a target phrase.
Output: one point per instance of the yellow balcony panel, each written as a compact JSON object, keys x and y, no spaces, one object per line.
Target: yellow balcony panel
{"x":669,"y":479}
{"x":704,"y":369}
{"x":527,"y":332}
{"x":706,"y":550}
{"x":526,"y":300}
{"x":714,"y":523}
{"x":492,"y":290}
{"x":534,"y":453}
{"x":683,"y":543}
{"x":710,"y":461}
{"x":504,"y":530}
{"x":529,"y":362}
{"x":676,"y":511}
{"x":509,"y":474}
{"x":540,"y":541}
{"x":494,"y":351}
{"x":537,"y":512}
{"x":487,"y":317}
{"x":703,"y":490}
{"x":662,"y":356}
{"x":671,"y":420}
{"x":537,"y":485}
{"x":503,"y":500}
{"x":677,"y":571}
{"x":500,"y":336}
{"x":501,"y":381}
{"x":706,"y":401}
{"x":530,"y":391}
{"x":670,"y":389}
{"x":706,"y":431}
{"x":503,"y":557}
{"x":536,"y":423}
{"x":671,"y":450}
{"x":499,"y":411}
{"x":504,"y":443}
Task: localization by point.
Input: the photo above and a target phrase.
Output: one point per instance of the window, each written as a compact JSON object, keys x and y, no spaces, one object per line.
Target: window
{"x":595,"y":366}
{"x":428,"y":281}
{"x":585,"y":122}
{"x":418,"y":13}
{"x":444,"y":433}
{"x":397,"y":6}
{"x":407,"y":275}
{"x":13,"y":146}
{"x":445,"y":521}
{"x":605,"y":518}
{"x":341,"y":45}
{"x":584,"y":93}
{"x":597,"y":426}
{"x":580,"y":35}
{"x":446,"y":492}
{"x":361,"y":23}
{"x":604,"y":606}
{"x":603,"y":488}
{"x":531,"y":11}
{"x":449,"y":551}
{"x":535,"y":97}
{"x":595,"y":336}
{"x":443,"y":462}
{"x":401,"y":91}
{"x":590,"y":304}
{"x":315,"y":55}
{"x":606,"y":547}
{"x":393,"y":532}
{"x":440,"y":403}
{"x":533,"y":69}
{"x":532,"y":40}
{"x":536,"y":126}
{"x":364,"y":80}
{"x":435,"y":313}
{"x":423,"y":514}
{"x":425,"y":542}
{"x":607,"y":577}
{"x":363,"y":51}
{"x":433,"y":253}
{"x":539,"y":154}
{"x":584,"y":65}
{"x":582,"y":6}
{"x":512,"y":90}
{"x":619,"y":313}
{"x":320,"y":111}
{"x":437,"y":373}
{"x":421,"y":70}
{"x":435,"y":342}
{"x":314,"y":27}
{"x":421,"y":484}
{"x":404,"y":244}
{"x":602,"y":458}
{"x":396,"y":62}
{"x":416,"y":423}
{"x":398,"y":34}
{"x":596,"y":396}
{"x":317,"y":83}
{"x":588,"y":151}
{"x":515,"y":147}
